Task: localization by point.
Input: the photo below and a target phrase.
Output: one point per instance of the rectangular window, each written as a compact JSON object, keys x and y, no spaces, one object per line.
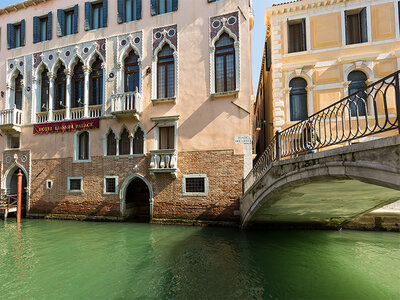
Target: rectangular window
{"x":97,"y":16}
{"x":69,"y":21}
{"x":297,"y":36}
{"x":110,"y":185}
{"x":166,"y":137}
{"x":159,"y":7}
{"x":356,"y":26}
{"x":195,"y":185}
{"x":43,"y":29}
{"x":17,"y":35}
{"x":13,"y":141}
{"x":75,"y":184}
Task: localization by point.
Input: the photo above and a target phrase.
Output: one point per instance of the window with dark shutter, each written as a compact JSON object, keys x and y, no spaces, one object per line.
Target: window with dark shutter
{"x":43,"y":27}
{"x":298,"y":99}
{"x":356,"y":26}
{"x":166,"y":137}
{"x":159,"y":7}
{"x":124,"y":143}
{"x":17,"y":36}
{"x":297,"y":36}
{"x":133,"y":10}
{"x":111,"y":144}
{"x":69,"y":22}
{"x":268,"y":54}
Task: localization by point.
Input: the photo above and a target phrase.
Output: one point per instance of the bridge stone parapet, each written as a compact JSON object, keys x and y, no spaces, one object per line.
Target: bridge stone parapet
{"x":325,"y":189}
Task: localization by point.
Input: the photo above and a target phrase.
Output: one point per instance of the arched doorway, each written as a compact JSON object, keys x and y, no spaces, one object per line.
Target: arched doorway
{"x":12,"y":187}
{"x":137,"y":201}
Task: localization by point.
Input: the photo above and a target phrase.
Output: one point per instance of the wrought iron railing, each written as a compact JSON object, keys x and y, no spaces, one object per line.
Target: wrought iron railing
{"x":372,"y":110}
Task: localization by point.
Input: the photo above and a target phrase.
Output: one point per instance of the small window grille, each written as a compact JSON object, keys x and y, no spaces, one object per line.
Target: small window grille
{"x":49,"y":184}
{"x":110,"y":185}
{"x":75,"y":184}
{"x":195,"y":185}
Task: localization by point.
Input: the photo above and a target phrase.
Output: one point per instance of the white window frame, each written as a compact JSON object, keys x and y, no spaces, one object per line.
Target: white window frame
{"x":165,"y":122}
{"x":206,"y":185}
{"x":105,"y":185}
{"x":69,"y":185}
{"x":51,"y":184}
{"x":76,"y":147}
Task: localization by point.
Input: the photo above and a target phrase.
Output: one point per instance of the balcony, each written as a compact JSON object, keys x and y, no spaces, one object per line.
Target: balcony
{"x":163,"y":161}
{"x":11,"y":120}
{"x":76,"y":113}
{"x":127,"y":104}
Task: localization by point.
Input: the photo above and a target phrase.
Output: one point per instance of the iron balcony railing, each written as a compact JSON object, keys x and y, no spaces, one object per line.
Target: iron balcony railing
{"x":372,"y":110}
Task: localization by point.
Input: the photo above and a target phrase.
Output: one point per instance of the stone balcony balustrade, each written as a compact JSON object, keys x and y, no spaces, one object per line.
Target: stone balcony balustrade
{"x":163,"y":161}
{"x":127,"y":104}
{"x":76,"y":113}
{"x":11,"y":120}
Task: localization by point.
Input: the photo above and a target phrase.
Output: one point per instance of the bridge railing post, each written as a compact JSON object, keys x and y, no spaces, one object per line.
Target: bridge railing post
{"x":397,"y":100}
{"x":278,"y":145}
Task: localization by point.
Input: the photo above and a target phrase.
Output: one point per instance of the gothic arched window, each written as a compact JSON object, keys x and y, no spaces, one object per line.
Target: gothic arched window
{"x":83,"y":141}
{"x":44,"y":91}
{"x":18,"y":91}
{"x":138,"y":141}
{"x":166,"y":73}
{"x":358,"y":101}
{"x":124,"y":143}
{"x":131,"y":68}
{"x":298,"y":99}
{"x":60,"y":88}
{"x":225,"y":78}
{"x":96,"y":83}
{"x":78,"y":86}
{"x":111,"y":144}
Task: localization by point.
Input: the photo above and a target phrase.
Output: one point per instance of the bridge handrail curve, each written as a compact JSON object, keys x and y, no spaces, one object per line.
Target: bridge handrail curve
{"x":363,"y":113}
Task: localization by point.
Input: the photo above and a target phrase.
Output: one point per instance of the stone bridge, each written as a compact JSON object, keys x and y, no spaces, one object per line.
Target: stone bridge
{"x":325,"y":189}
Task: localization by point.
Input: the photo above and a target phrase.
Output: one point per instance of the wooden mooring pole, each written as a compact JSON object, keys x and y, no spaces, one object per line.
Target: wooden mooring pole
{"x":19,"y":196}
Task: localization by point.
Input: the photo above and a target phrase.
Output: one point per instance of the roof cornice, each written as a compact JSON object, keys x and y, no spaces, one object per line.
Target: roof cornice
{"x":301,"y":5}
{"x":20,"y":5}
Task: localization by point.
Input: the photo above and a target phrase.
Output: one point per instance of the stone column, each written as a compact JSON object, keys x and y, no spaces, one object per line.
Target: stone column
{"x":87,"y":70}
{"x":52,"y":77}
{"x":117,"y":142}
{"x":68,"y":74}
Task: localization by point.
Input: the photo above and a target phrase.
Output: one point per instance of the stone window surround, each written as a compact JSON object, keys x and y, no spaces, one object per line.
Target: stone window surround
{"x":165,"y":122}
{"x":69,"y":185}
{"x":49,"y":184}
{"x":8,"y":140}
{"x":76,"y":147}
{"x":117,"y":137}
{"x":10,"y":96}
{"x":105,"y":185}
{"x":206,"y":185}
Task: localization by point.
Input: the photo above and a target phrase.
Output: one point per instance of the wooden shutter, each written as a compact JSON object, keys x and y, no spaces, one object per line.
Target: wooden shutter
{"x":10,"y":36}
{"x":154,"y":5}
{"x":171,"y":131}
{"x":268,"y":54}
{"x":174,"y":5}
{"x":121,"y":11}
{"x":346,"y":28}
{"x":105,"y":13}
{"x":211,"y":1}
{"x":49,"y":25}
{"x":23,"y":32}
{"x":303,"y":34}
{"x":88,"y":16}
{"x":138,"y":9}
{"x":290,"y":42}
{"x":76,"y":15}
{"x":36,"y":29}
{"x":364,"y":26}
{"x":61,"y":22}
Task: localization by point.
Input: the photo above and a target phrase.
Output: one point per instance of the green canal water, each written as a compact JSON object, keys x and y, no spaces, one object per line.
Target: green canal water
{"x":85,"y":260}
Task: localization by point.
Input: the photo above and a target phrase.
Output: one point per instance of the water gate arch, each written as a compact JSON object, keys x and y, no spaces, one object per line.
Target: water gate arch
{"x":10,"y":185}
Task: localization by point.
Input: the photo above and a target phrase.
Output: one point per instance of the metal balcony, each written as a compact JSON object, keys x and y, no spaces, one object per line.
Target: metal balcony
{"x":11,"y":120}
{"x":127,"y":104}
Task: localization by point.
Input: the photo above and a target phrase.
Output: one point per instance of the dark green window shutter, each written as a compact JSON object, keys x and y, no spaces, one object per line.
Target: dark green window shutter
{"x":61,"y":22}
{"x":121,"y":11}
{"x":23,"y":32}
{"x":303,"y":34}
{"x":36,"y":29}
{"x":174,"y":5}
{"x":10,"y":36}
{"x":154,"y":5}
{"x":364,"y":29}
{"x":138,"y":9}
{"x":268,"y":54}
{"x":211,"y":1}
{"x":105,"y":13}
{"x":76,"y":15}
{"x":49,"y":25}
{"x":88,"y":16}
{"x":346,"y":28}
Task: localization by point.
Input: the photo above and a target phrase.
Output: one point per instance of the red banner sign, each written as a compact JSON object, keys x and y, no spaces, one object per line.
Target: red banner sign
{"x":66,"y":126}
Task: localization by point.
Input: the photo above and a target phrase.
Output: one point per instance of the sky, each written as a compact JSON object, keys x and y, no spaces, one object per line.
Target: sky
{"x":258,"y":33}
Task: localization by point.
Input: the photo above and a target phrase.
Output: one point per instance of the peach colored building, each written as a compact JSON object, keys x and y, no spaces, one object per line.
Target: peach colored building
{"x":128,"y":108}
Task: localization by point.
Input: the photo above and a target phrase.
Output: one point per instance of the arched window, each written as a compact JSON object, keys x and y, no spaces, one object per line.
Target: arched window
{"x":225,"y":78}
{"x":60,"y":88}
{"x":96,"y":83}
{"x":124,"y":143}
{"x":357,"y":102}
{"x":138,"y":141}
{"x":44,"y":92}
{"x":83,"y":151}
{"x":111,"y":144}
{"x":131,"y":68}
{"x":78,"y":86}
{"x":165,"y":73}
{"x":18,"y":91}
{"x":298,"y":99}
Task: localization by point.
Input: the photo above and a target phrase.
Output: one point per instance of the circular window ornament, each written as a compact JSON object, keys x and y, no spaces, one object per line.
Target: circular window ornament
{"x":137,"y":40}
{"x":123,"y":42}
{"x":67,"y":53}
{"x":111,"y":75}
{"x":21,"y":63}
{"x":216,"y":24}
{"x":171,"y":32}
{"x":8,"y":159}
{"x":11,"y":66}
{"x":158,"y":35}
{"x":86,"y":50}
{"x":50,"y":57}
{"x":28,"y":89}
{"x":103,"y":47}
{"x":23,"y":158}
{"x":232,"y":20}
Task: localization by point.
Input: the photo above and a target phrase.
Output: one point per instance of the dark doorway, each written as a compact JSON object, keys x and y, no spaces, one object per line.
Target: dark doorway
{"x":12,"y":189}
{"x":137,"y":201}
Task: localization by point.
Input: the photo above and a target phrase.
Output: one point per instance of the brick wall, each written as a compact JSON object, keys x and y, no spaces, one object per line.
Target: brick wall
{"x":224,"y":171}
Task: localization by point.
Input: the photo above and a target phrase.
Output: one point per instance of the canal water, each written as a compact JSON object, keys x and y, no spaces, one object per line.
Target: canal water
{"x":87,"y":260}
